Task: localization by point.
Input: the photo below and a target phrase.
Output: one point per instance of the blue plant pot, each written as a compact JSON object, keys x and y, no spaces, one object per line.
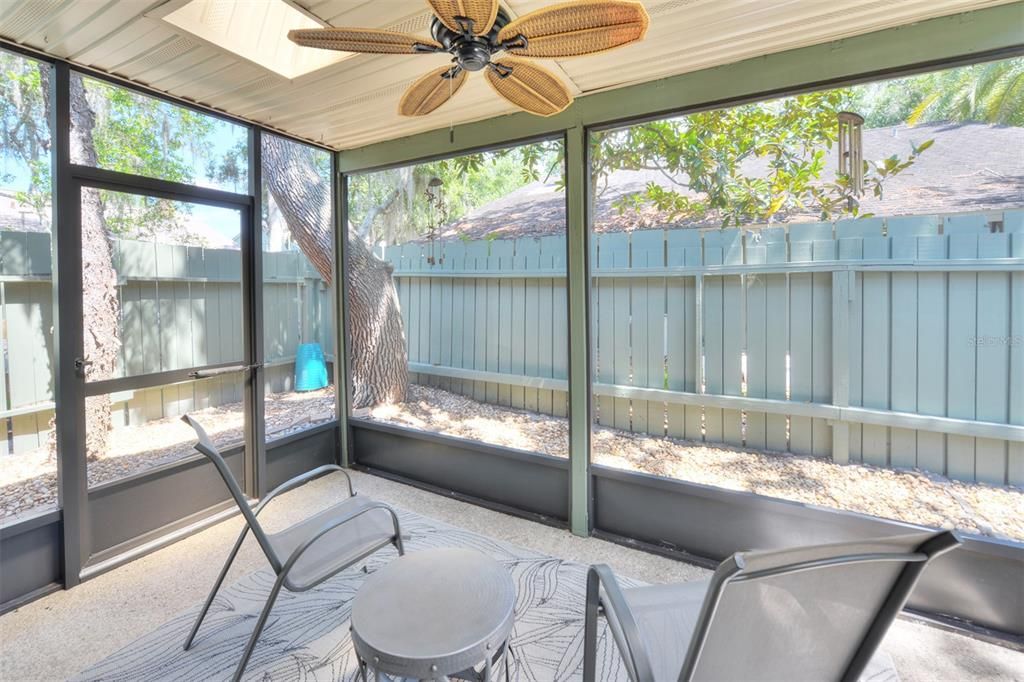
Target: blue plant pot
{"x":310,"y":367}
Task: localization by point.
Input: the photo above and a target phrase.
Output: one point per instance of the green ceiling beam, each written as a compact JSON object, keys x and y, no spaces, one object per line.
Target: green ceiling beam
{"x":924,"y":43}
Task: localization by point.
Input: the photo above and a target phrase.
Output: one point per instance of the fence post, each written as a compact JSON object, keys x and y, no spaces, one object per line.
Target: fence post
{"x":843,"y":294}
{"x":698,"y":335}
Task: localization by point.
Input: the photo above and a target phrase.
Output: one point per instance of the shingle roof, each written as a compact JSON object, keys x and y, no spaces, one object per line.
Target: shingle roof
{"x":970,"y":167}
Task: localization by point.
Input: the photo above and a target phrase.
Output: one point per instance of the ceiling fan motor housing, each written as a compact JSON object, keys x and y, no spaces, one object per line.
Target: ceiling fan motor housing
{"x":471,"y":52}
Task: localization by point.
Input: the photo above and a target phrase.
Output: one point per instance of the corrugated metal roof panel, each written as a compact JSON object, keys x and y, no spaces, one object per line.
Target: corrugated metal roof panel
{"x":354,"y":102}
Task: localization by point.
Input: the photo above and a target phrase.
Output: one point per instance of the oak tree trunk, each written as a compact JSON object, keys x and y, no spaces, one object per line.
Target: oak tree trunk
{"x":377,"y":338}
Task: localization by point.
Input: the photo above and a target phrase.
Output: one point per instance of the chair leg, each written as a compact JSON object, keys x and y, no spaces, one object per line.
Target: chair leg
{"x":216,"y":586}
{"x":590,"y":629}
{"x":260,"y":623}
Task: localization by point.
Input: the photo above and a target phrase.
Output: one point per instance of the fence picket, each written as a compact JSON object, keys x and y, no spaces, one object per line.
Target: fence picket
{"x":810,"y":330}
{"x":648,"y":329}
{"x":931,"y":322}
{"x":524,"y":321}
{"x":756,"y":313}
{"x":615,"y":254}
{"x":554,"y":258}
{"x":455,"y":259}
{"x":612,"y":251}
{"x":723,"y":334}
{"x":777,"y":337}
{"x":851,"y":235}
{"x":963,"y":316}
{"x":478,"y":252}
{"x":682,"y":248}
{"x":821,"y":346}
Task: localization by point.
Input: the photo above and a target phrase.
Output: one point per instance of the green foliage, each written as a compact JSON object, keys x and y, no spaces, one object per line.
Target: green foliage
{"x":391,"y":205}
{"x":750,"y":163}
{"x":146,"y":136}
{"x":39,"y":187}
{"x":838,"y":197}
{"x":231,"y":168}
{"x":992,"y":92}
{"x":132,"y":134}
{"x":24,"y":134}
{"x":989,"y":93}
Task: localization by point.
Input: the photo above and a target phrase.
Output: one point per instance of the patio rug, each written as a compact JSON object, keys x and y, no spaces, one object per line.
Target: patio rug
{"x":307,"y":636}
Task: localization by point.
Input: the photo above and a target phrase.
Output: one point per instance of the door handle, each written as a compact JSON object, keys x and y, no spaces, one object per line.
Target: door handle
{"x":80,"y":365}
{"x":218,"y":371}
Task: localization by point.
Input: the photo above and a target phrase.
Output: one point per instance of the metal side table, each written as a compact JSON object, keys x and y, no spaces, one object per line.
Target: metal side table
{"x":434,"y":614}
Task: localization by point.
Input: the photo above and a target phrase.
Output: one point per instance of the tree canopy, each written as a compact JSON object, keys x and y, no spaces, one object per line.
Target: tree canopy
{"x":132,"y":134}
{"x":991,"y":92}
{"x":702,"y":159}
{"x":24,"y":133}
{"x":391,"y":205}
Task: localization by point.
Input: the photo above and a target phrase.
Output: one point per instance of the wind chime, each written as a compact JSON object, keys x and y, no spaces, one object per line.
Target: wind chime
{"x":851,"y":153}
{"x":438,"y":215}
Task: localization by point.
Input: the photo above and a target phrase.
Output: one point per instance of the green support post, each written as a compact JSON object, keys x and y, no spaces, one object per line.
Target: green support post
{"x":579,"y":332}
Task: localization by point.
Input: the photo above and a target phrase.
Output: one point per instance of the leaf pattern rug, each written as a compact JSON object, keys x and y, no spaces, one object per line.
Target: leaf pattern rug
{"x":307,"y":637}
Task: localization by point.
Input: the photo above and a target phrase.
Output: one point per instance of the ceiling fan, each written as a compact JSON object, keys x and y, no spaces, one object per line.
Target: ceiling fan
{"x":473,"y":32}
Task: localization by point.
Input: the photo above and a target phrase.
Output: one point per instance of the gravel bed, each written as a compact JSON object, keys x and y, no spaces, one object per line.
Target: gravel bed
{"x":28,"y":481}
{"x":912,"y":495}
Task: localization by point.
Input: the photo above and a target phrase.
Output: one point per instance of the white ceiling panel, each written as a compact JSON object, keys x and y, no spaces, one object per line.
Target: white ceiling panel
{"x":354,"y":102}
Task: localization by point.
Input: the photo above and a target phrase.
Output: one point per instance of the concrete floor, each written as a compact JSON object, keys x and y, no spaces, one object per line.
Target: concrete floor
{"x":57,"y":636}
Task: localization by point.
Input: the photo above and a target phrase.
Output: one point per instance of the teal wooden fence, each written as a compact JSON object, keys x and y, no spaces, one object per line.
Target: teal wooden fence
{"x":494,"y":308}
{"x":892,"y":341}
{"x":181,"y":306}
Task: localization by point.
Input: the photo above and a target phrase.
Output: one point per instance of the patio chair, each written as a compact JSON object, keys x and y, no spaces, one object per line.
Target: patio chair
{"x":308,"y":552}
{"x":809,"y":613}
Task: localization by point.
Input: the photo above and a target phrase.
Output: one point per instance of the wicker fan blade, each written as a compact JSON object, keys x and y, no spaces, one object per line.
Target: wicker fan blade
{"x":481,"y":12}
{"x":529,"y":87}
{"x":362,"y":40}
{"x":572,"y":29}
{"x":430,"y":92}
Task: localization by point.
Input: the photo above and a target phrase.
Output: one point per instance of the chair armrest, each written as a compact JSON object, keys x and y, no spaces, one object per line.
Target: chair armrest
{"x":301,"y":479}
{"x":335,"y":523}
{"x":601,"y":576}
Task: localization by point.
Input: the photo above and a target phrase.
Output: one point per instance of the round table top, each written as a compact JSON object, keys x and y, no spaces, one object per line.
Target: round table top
{"x":433,"y":612}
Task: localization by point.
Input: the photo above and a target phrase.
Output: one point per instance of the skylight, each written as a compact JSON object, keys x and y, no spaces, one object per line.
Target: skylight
{"x":256,"y":30}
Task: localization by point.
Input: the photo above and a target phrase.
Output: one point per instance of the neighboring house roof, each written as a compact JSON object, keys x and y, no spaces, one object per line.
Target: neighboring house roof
{"x":970,"y":167}
{"x":16,"y":216}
